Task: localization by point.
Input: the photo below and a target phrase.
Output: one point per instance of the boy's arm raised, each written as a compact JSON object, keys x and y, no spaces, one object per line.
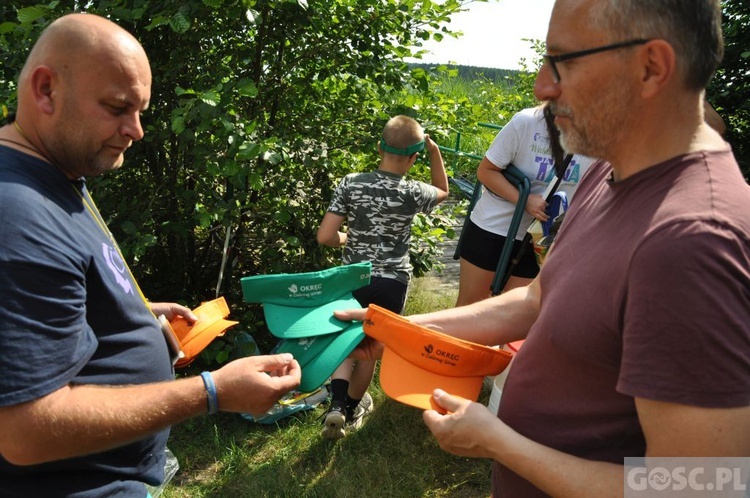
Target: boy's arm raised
{"x":439,"y":178}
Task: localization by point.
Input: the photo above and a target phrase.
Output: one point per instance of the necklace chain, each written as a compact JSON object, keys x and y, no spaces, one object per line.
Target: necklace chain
{"x":32,"y":149}
{"x":23,"y":135}
{"x":20,"y":131}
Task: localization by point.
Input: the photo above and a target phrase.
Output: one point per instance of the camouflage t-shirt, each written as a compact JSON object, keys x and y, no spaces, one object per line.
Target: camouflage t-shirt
{"x":379,"y":208}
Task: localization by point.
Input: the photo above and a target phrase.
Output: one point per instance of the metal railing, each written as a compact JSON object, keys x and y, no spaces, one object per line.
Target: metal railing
{"x":473,"y":193}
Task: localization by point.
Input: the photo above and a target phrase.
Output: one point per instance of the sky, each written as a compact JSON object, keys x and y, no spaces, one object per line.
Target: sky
{"x":493,"y":33}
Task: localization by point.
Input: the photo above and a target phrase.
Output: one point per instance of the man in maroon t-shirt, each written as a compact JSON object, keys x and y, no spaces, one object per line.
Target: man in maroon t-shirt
{"x":638,"y":327}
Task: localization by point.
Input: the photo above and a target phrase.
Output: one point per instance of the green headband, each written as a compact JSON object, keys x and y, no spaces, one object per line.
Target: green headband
{"x":413,"y":149}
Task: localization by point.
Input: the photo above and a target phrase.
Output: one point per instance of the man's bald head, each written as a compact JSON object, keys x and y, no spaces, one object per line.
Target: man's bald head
{"x":81,"y":92}
{"x":76,"y":39}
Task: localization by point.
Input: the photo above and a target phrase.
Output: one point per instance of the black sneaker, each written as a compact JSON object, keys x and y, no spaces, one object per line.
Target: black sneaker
{"x":333,"y":425}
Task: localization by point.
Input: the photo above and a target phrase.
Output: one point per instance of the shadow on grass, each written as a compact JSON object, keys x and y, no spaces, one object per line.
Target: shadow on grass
{"x":392,"y":455}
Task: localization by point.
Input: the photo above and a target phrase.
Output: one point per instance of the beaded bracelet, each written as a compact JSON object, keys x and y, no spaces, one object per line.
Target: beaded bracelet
{"x":213,"y":401}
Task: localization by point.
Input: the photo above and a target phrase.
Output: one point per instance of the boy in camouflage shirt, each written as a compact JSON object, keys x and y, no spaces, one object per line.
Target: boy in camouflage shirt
{"x":378,"y":208}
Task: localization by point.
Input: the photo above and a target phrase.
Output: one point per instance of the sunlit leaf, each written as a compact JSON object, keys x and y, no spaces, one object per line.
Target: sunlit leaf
{"x":28,"y":15}
{"x":210,"y":97}
{"x":179,"y":23}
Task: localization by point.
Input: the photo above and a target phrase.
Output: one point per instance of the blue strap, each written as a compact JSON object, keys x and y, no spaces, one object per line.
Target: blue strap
{"x":213,"y":401}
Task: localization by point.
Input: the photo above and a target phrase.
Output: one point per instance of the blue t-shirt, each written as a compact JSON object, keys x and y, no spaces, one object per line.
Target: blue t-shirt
{"x":71,"y":314}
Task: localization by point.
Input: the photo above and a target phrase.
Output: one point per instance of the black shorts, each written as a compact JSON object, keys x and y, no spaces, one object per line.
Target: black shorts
{"x":387,"y":293}
{"x":482,"y":248}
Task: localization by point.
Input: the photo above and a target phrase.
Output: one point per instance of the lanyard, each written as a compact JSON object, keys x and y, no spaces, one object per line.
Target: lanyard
{"x":173,"y":342}
{"x":94,"y":211}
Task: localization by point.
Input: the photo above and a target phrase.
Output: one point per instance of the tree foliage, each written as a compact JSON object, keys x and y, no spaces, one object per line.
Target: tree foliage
{"x":730,"y":89}
{"x":258,"y":108}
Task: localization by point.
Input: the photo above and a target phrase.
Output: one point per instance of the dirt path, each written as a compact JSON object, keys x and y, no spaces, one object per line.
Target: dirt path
{"x":447,"y":279}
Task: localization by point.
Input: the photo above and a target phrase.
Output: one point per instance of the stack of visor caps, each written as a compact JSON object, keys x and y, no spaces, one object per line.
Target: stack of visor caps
{"x":298,"y":308}
{"x":417,"y":360}
{"x":211,"y":324}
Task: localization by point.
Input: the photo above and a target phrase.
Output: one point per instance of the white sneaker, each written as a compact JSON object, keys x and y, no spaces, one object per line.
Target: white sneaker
{"x":363,"y":409}
{"x":333,"y":425}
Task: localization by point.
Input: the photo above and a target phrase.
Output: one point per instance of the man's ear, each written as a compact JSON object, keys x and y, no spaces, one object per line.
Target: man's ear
{"x":42,"y":81}
{"x":659,"y":64}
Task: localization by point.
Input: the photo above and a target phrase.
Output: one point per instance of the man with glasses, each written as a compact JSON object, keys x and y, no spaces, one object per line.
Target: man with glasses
{"x":638,"y":327}
{"x":553,"y":60}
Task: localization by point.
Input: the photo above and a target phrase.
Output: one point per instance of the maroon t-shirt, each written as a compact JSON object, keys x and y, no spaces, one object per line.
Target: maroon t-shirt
{"x":646,"y":293}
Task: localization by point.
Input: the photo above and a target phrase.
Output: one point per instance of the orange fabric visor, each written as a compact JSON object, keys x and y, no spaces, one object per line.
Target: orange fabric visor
{"x":211,"y":324}
{"x":418,"y":360}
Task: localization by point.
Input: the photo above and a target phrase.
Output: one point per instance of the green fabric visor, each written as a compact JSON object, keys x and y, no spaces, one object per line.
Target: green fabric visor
{"x":412,"y":149}
{"x":298,"y":305}
{"x":319,"y":356}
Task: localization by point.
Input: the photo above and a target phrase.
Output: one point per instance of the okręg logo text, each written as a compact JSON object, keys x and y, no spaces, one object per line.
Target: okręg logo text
{"x":309,"y":290}
{"x":440,"y":356}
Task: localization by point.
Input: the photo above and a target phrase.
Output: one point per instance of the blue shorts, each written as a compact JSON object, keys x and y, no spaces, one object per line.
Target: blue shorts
{"x":482,"y":249}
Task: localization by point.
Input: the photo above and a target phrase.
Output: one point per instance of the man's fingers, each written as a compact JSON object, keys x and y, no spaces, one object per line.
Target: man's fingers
{"x":290,"y":378}
{"x":273,"y":362}
{"x":447,"y":401}
{"x":351,"y":314}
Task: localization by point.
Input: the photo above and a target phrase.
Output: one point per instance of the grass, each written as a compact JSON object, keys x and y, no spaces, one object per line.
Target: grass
{"x":392,"y":455}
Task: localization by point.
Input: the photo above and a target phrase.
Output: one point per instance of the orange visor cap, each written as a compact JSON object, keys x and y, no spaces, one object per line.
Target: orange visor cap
{"x":211,"y":324}
{"x":417,"y":360}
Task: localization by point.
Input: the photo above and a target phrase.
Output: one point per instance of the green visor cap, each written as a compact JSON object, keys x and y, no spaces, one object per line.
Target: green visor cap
{"x":412,"y":149}
{"x":298,"y":305}
{"x":319,"y":356}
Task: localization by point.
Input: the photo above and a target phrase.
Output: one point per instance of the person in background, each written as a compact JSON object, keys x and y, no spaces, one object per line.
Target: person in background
{"x":378,"y":208}
{"x":637,"y":328}
{"x":88,"y":393}
{"x":527,"y":142}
